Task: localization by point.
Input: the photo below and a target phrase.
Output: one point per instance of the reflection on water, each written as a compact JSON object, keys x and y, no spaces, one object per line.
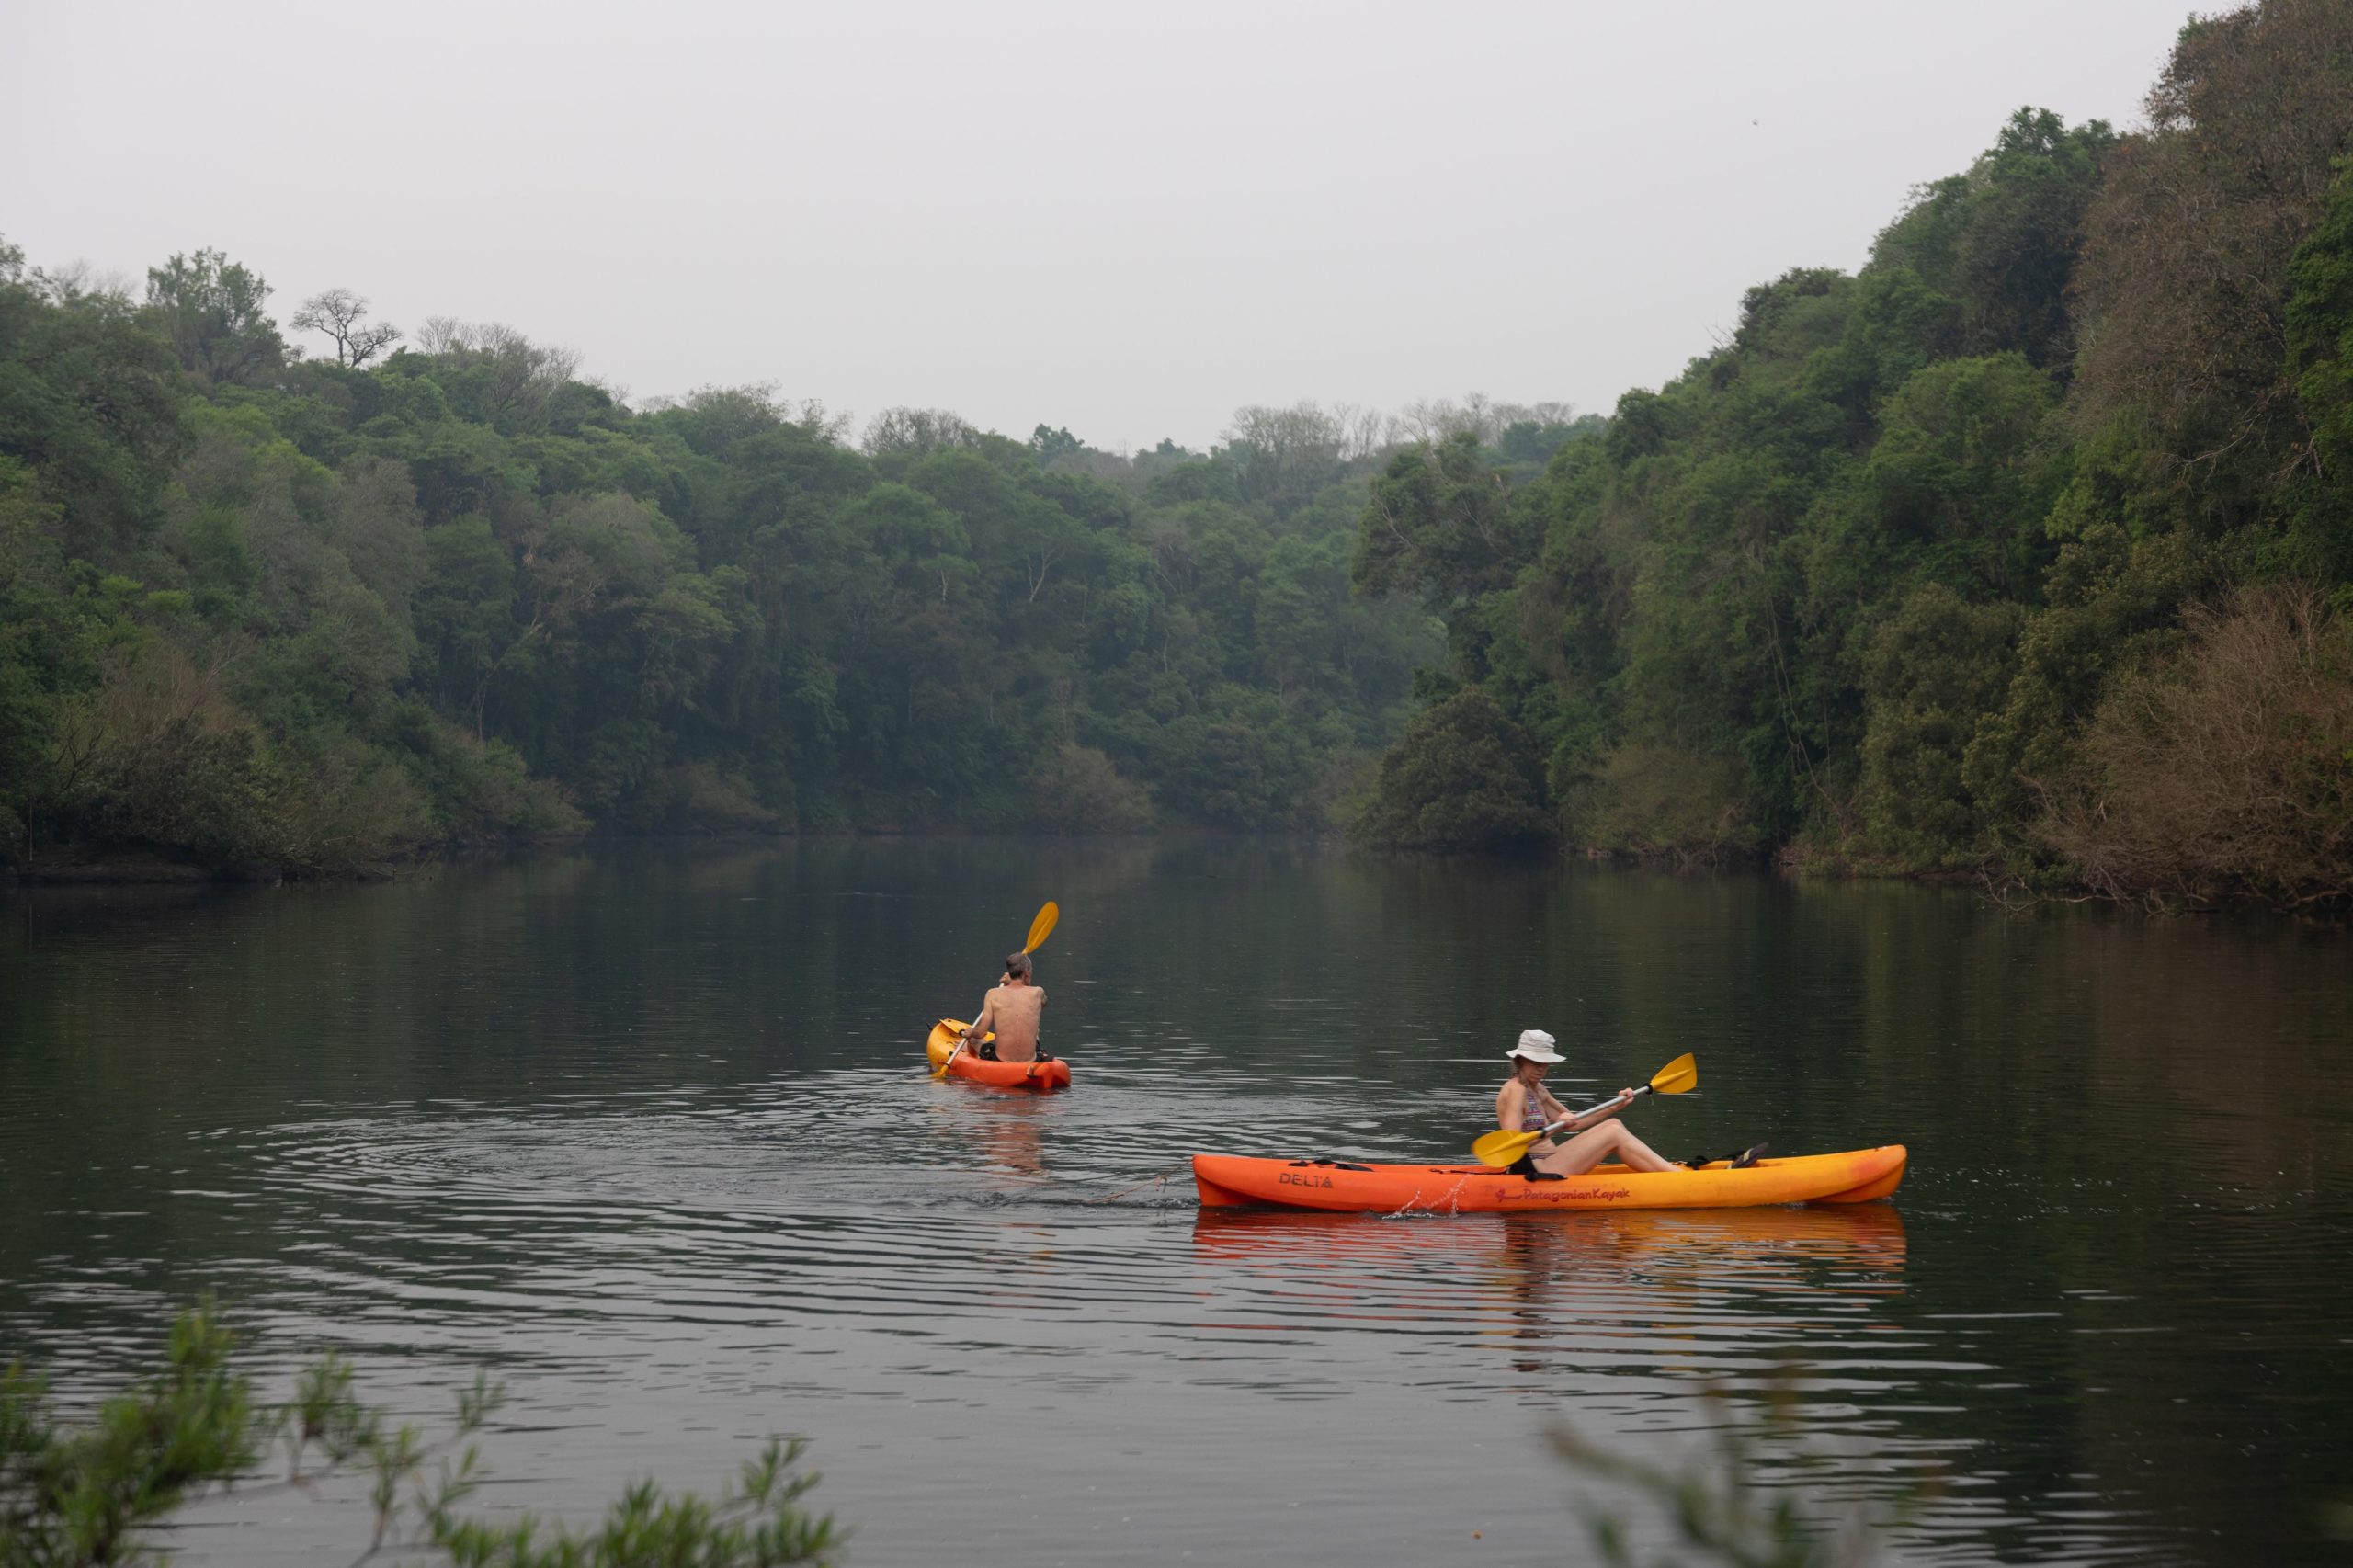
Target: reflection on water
{"x":1720,"y":1287}
{"x":1010,"y":1138}
{"x":1742,"y":1248}
{"x":650,"y":1136}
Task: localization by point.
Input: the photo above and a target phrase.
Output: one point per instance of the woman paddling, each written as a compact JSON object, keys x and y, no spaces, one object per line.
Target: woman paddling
{"x":1523,"y":1105}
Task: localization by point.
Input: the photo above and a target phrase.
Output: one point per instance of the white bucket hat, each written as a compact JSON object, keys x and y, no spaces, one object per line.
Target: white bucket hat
{"x":1537,"y":1045}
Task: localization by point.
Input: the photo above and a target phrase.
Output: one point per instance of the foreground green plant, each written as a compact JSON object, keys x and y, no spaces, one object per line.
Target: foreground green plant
{"x":1719,"y":1509}
{"x":84,"y":1495}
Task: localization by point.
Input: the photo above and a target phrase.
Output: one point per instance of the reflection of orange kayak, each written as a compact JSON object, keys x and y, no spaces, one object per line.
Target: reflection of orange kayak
{"x":1869,"y":1234}
{"x":1854,"y":1176}
{"x":1698,"y":1283}
{"x":1049,"y":1073}
{"x":1591,"y":1259}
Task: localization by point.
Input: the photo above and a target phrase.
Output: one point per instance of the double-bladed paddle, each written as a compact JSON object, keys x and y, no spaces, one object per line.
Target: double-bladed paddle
{"x":1502,"y":1146}
{"x":1040,"y":930}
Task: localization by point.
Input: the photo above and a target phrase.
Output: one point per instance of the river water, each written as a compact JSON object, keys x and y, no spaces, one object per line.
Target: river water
{"x":646,"y":1133}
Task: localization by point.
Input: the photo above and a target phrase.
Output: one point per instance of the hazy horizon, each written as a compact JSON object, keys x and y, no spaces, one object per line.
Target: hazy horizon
{"x":1041,"y":213}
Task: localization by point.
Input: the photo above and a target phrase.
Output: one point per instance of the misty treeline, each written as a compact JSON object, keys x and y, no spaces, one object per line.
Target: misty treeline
{"x":310,"y":612}
{"x":2026,"y":551}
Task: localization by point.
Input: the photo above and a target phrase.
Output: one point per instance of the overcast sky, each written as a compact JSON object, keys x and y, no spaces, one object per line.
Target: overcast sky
{"x":1128,"y":219}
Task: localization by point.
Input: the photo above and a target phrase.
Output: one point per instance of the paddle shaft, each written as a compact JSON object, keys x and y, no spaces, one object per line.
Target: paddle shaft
{"x":1611,"y":1104}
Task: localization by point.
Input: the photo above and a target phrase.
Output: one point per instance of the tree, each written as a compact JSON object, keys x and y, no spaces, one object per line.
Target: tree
{"x":1961,"y":480}
{"x":2320,"y":356}
{"x":2224,"y":772}
{"x":1931,"y":675}
{"x":159,"y":754}
{"x":92,"y":402}
{"x":1077,"y":790}
{"x":496,"y":374}
{"x":1441,"y":523}
{"x":338,"y":312}
{"x":464,"y":611}
{"x":211,"y":312}
{"x":2183,"y":282}
{"x":918,"y":431}
{"x":1051,"y":443}
{"x":1464,"y":778}
{"x":1283,"y":456}
{"x":2001,"y":239}
{"x":1657,"y":800}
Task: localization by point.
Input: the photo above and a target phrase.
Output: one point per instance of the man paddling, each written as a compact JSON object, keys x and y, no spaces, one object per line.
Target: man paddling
{"x":1011,"y":1012}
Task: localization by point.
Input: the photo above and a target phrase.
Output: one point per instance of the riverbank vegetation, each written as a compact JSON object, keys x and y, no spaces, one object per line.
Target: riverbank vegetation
{"x":108,"y":1491}
{"x":2024,"y":553}
{"x":305,"y":614}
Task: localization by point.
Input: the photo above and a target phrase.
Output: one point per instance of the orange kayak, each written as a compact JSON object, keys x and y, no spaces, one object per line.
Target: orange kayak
{"x":1050,"y":1072}
{"x":1855,"y":1176}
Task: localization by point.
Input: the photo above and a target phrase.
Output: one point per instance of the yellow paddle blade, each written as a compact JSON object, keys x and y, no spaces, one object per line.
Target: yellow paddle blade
{"x":1502,"y":1146}
{"x":1678,"y":1075}
{"x":1043,"y":927}
{"x":945,"y":1043}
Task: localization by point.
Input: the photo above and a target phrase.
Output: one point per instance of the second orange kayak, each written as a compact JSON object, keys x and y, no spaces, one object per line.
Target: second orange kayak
{"x":1855,"y":1176}
{"x":1051,"y":1073}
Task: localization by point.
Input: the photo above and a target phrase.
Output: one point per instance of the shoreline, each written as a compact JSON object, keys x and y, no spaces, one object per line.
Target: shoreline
{"x":90,"y":868}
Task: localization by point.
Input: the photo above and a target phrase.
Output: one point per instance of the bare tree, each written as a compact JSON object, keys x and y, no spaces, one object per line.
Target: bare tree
{"x":524,"y":377}
{"x":919,"y":430}
{"x":338,"y":312}
{"x":1433,"y":420}
{"x":1537,"y":414}
{"x":1426,"y":421}
{"x":1365,"y":431}
{"x":1284,"y":451}
{"x":79,"y":285}
{"x":442,"y":335}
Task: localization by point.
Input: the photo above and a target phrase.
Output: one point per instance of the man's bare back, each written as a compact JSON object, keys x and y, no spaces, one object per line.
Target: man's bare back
{"x":1012,"y":1011}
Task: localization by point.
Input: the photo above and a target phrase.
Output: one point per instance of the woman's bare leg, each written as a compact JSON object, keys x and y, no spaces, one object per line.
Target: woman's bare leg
{"x":1595,"y":1144}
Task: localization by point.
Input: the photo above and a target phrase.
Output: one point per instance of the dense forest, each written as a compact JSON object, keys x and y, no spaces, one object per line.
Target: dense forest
{"x":2024,"y":553}
{"x":309,"y":614}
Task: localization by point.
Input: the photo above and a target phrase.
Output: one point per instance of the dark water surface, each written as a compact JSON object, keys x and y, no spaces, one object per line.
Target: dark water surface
{"x":646,"y":1134}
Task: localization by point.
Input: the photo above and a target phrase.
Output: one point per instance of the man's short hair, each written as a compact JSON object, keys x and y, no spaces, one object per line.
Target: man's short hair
{"x":1018,"y":964}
